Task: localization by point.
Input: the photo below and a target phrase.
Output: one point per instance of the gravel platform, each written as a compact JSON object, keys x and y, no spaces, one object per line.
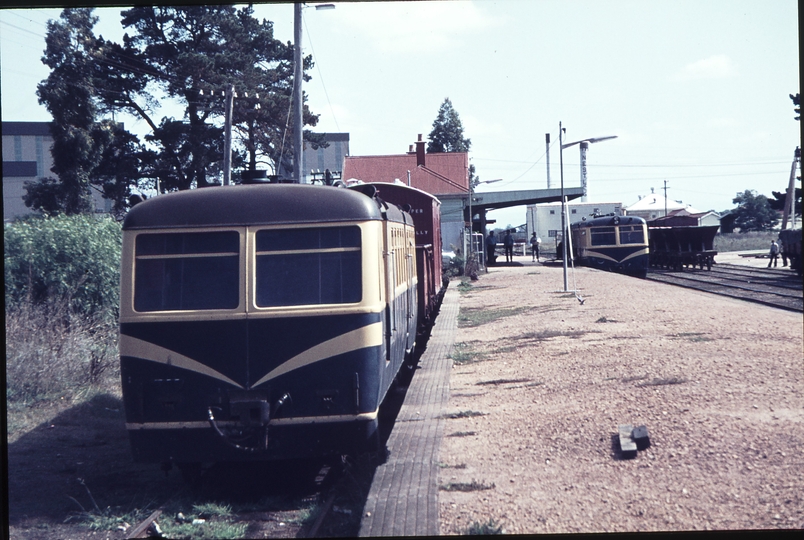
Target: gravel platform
{"x":543,"y":379}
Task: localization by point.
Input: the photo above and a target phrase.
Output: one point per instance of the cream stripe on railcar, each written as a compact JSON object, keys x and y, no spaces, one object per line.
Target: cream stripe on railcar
{"x":599,"y":255}
{"x":360,"y":338}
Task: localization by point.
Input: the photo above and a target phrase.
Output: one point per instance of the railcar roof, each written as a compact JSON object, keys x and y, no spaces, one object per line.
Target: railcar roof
{"x":610,"y":221}
{"x":252,"y":205}
{"x":408,"y":192}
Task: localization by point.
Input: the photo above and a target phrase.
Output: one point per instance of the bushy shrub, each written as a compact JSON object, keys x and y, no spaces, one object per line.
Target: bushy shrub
{"x":67,"y":261}
{"x":454,"y":268}
{"x":62,"y":283}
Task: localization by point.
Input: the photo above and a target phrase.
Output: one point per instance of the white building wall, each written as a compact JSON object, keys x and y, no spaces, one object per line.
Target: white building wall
{"x":545,"y":219}
{"x":36,"y":149}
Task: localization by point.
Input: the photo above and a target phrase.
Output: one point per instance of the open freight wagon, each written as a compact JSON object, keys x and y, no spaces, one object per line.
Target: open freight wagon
{"x":680,"y":246}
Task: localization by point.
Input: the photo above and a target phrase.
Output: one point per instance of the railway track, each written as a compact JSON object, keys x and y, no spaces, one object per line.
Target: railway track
{"x":775,"y":287}
{"x":270,"y":501}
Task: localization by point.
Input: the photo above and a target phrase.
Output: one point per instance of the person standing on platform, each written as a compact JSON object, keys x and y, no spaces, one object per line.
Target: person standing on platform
{"x":491,"y":247}
{"x":534,"y":247}
{"x":508,"y":244}
{"x":774,"y":253}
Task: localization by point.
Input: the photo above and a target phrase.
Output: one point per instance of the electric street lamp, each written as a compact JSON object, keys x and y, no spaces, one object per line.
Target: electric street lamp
{"x":564,"y":225}
{"x":298,"y":106}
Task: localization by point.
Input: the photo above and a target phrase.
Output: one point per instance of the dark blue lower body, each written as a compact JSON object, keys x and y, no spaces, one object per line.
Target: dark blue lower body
{"x":633,"y":266}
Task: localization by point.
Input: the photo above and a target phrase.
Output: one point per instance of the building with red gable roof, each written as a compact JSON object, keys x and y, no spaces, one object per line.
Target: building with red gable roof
{"x":437,"y":174}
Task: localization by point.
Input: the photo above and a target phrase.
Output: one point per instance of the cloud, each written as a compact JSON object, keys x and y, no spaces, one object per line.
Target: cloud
{"x":718,"y":66}
{"x":413,"y":27}
{"x":722,"y":123}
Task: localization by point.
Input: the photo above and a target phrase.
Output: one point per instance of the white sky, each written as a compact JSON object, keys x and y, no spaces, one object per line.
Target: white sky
{"x":696,"y":91}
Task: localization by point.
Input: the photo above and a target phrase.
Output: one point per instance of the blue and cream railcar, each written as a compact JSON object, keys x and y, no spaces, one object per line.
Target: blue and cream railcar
{"x":616,"y":243}
{"x":262,"y":322}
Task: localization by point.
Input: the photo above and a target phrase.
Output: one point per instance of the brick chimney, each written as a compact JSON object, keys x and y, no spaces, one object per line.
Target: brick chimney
{"x":420,"y":152}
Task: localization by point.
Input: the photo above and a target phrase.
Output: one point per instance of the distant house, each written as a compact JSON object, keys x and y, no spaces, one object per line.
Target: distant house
{"x":437,"y":174}
{"x":653,"y":206}
{"x":26,"y":157}
{"x":727,"y":222}
{"x":685,"y":218}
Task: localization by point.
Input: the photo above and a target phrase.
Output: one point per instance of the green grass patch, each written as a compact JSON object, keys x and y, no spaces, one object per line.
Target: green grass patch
{"x":464,"y":414}
{"x":749,"y":241}
{"x":605,"y":319}
{"x":504,"y":350}
{"x":474,"y":485}
{"x":695,"y":337}
{"x":497,"y":382}
{"x":207,"y":530}
{"x":483,"y":529}
{"x":106,"y":519}
{"x":443,"y":465}
{"x":465,"y":286}
{"x":544,"y":335}
{"x":664,"y":381}
{"x":463,"y":353}
{"x":471,"y":317}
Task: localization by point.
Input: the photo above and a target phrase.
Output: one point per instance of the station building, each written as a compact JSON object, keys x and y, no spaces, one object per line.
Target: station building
{"x":446,"y":176}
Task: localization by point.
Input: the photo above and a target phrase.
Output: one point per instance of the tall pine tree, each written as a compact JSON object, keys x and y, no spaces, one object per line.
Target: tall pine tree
{"x":68,"y":94}
{"x":447,"y":136}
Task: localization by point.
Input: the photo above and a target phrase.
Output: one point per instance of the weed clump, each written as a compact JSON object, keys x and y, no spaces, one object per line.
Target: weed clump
{"x":464,"y":414}
{"x":490,"y":527}
{"x":469,"y":318}
{"x":474,"y":485}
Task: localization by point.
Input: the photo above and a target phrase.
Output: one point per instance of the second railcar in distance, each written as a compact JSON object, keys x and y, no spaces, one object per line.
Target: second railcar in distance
{"x":615,"y":243}
{"x":426,"y":212}
{"x":262,"y":322}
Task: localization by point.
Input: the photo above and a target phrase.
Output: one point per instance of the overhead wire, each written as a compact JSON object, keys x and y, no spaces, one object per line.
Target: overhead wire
{"x":320,"y":76}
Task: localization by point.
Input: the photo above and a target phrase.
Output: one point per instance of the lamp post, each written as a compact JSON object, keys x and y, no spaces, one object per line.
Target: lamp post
{"x":298,"y":106}
{"x":564,"y":225}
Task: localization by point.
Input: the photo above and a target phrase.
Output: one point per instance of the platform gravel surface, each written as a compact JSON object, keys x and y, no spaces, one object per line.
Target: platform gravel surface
{"x":541,"y":381}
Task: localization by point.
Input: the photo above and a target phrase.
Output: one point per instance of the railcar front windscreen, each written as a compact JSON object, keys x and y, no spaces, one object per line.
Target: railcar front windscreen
{"x":632,"y":234}
{"x":603,"y":236}
{"x":187,"y":271}
{"x":308,"y":266}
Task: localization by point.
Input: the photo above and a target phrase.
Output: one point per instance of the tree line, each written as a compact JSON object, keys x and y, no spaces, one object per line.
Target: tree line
{"x":182,"y":55}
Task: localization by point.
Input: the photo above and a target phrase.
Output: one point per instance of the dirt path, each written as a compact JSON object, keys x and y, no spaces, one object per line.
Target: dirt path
{"x":539,"y":392}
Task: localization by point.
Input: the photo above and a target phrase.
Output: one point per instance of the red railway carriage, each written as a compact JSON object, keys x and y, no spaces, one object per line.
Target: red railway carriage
{"x":426,"y":212}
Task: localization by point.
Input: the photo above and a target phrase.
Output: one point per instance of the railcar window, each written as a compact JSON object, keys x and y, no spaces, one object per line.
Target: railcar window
{"x":186,"y":271}
{"x":308,"y":266}
{"x":632,"y":234}
{"x":603,"y":236}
